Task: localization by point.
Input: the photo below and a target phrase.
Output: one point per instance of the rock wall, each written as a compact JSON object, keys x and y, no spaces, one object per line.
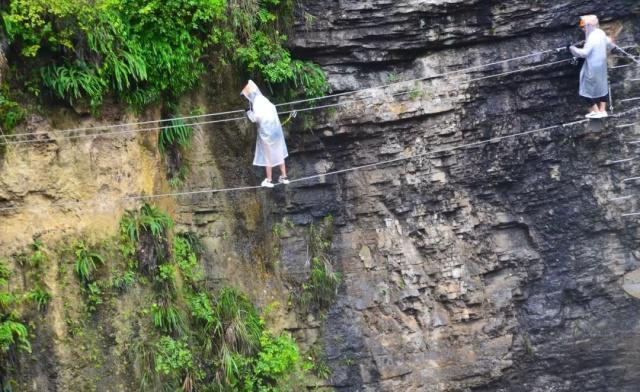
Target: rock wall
{"x":497,"y":267}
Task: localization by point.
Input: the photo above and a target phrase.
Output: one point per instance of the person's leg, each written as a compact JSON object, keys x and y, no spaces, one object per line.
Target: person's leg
{"x":602,"y":106}
{"x":593,"y":105}
{"x":269,"y":172}
{"x":283,"y":170}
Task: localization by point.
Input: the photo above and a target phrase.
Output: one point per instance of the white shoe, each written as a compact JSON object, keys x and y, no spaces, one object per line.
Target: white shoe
{"x":267,"y":183}
{"x":601,"y":115}
{"x":283,"y":180}
{"x":591,"y":115}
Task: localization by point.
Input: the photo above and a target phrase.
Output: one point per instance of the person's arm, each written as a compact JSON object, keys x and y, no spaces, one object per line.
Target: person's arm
{"x":611,"y":44}
{"x":585,"y":51}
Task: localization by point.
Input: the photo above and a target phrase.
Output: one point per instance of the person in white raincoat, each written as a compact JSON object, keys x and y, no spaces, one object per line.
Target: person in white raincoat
{"x":271,"y":149}
{"x":594,"y":84}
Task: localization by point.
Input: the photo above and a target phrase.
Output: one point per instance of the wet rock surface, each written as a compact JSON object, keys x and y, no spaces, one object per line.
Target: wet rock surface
{"x":494,"y":267}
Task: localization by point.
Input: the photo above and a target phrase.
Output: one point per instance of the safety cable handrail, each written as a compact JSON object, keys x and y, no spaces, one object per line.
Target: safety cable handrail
{"x":291,"y":112}
{"x":215,"y":114}
{"x":319,"y":175}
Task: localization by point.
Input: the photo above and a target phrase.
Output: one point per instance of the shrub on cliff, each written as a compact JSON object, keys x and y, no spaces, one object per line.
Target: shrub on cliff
{"x":145,"y":50}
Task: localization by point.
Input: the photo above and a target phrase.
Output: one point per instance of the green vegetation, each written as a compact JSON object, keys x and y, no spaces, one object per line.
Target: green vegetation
{"x":33,"y":262}
{"x":321,"y":287}
{"x":35,"y":258}
{"x":167,"y":317}
{"x":279,"y":230}
{"x":186,"y":248}
{"x":276,"y":363}
{"x":415,"y":93}
{"x":197,"y":340}
{"x":172,"y":332}
{"x":11,"y":114}
{"x":176,"y":133}
{"x":17,"y":309}
{"x":173,"y":360}
{"x":172,"y":143}
{"x":87,"y":262}
{"x":122,"y":281}
{"x":154,"y":221}
{"x":40,"y":297}
{"x":13,"y":333}
{"x":144,"y":51}
{"x":318,"y":361}
{"x":236,"y":346}
{"x":144,"y":238}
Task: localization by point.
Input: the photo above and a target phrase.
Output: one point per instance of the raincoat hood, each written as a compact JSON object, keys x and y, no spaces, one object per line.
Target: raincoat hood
{"x":251,"y":91}
{"x":590,"y":23}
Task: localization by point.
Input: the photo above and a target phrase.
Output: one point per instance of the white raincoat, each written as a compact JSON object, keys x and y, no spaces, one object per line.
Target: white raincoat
{"x":271,"y":149}
{"x":593,"y":76}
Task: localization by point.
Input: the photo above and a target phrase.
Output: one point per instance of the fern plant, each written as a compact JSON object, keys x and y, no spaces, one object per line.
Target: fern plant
{"x":11,"y":113}
{"x":176,"y":134}
{"x":186,"y":257}
{"x":167,"y":317}
{"x":143,"y":237}
{"x":73,"y":82}
{"x":151,"y":51}
{"x":321,"y":287}
{"x":154,"y":220}
{"x":40,"y":296}
{"x":148,"y":218}
{"x":13,"y":334}
{"x":86,"y":263}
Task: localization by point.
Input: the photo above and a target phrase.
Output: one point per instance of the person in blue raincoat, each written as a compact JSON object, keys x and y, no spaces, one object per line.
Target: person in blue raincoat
{"x":271,"y":149}
{"x":594,"y":84}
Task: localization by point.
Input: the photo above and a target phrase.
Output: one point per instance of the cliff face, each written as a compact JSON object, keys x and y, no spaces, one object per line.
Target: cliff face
{"x":497,"y":267}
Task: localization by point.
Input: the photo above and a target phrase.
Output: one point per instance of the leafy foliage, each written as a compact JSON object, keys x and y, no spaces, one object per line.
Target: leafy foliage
{"x":266,"y":56}
{"x":317,"y":361}
{"x":11,"y":113}
{"x":230,"y":329}
{"x":74,"y":82}
{"x":322,"y":286}
{"x":40,"y":296}
{"x":143,"y":237}
{"x":185,"y":256}
{"x":93,"y":295}
{"x":321,"y":237}
{"x":86,"y":263}
{"x":13,"y":333}
{"x":167,"y":317}
{"x":153,"y":220}
{"x":175,"y":134}
{"x":35,"y":258}
{"x":123,"y":281}
{"x":173,"y":357}
{"x":145,"y":50}
{"x":173,"y":140}
{"x":276,"y":357}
